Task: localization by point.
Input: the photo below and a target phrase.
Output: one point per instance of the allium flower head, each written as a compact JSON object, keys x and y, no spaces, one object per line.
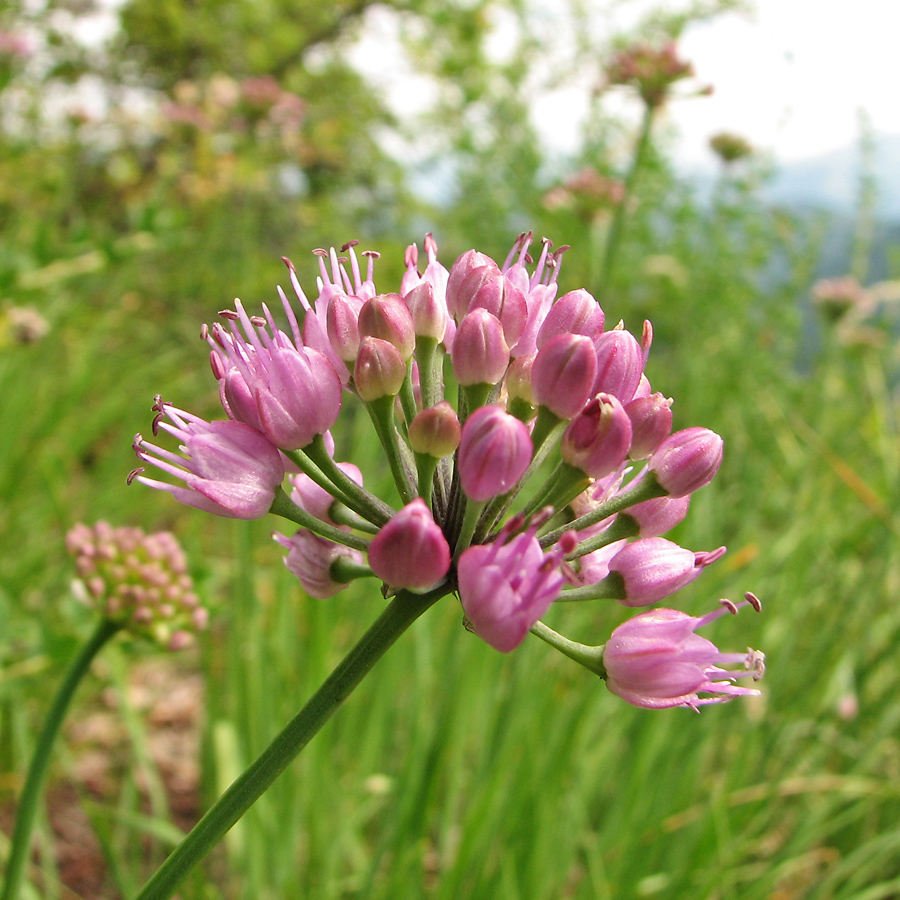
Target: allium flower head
{"x":138,"y":580}
{"x":518,"y":478}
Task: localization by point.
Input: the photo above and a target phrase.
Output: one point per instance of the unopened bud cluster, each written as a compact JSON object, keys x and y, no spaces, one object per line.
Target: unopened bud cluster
{"x":532,"y":460}
{"x":137,"y":580}
{"x":649,"y":68}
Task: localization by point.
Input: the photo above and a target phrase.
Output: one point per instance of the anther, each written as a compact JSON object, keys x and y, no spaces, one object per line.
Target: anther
{"x":320,"y":252}
{"x":348,"y":245}
{"x":753,"y":600}
{"x":134,"y":474}
{"x":372,"y":254}
{"x":229,"y":314}
{"x":204,"y":332}
{"x":258,"y":321}
{"x":730,"y":605}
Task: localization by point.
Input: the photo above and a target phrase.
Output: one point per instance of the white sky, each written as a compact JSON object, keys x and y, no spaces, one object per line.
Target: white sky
{"x":793,"y":76}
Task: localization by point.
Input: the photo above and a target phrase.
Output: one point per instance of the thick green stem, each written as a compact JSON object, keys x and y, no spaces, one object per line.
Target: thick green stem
{"x":402,"y":611}
{"x":31,"y":792}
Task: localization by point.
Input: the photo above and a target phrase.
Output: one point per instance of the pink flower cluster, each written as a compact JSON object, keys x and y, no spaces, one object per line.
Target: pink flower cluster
{"x":546,"y":399}
{"x":139,"y":580}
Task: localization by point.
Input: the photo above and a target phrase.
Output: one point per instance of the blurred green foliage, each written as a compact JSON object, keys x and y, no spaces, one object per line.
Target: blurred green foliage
{"x":219,"y":136}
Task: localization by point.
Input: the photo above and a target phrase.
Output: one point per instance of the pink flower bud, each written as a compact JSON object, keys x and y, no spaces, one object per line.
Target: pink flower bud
{"x":651,"y":423}
{"x":480,"y":353}
{"x":342,"y":322}
{"x":659,"y":515}
{"x":620,"y":363}
{"x":379,"y":370}
{"x":500,"y":297}
{"x":429,"y":315}
{"x":597,"y":439}
{"x":457,"y":304}
{"x":562,"y":378}
{"x":387,"y":317}
{"x":435,"y":431}
{"x":229,"y":468}
{"x":310,"y":558}
{"x":574,"y":313}
{"x":654,"y":568}
{"x":411,"y":550}
{"x":494,"y":453}
{"x":687,"y":460}
{"x":469,"y":286}
{"x":505,"y":587}
{"x":302,"y":398}
{"x":656,"y":661}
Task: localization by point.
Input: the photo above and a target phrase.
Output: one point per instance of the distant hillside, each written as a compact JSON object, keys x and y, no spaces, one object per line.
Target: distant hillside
{"x":831,"y":181}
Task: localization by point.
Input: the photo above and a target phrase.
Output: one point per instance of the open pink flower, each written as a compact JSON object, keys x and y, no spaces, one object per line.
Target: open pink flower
{"x":506,"y":586}
{"x":655,"y":660}
{"x":289,"y":392}
{"x":229,"y":468}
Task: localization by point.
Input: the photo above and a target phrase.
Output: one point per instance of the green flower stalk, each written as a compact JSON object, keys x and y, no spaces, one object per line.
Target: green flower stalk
{"x":137,"y":582}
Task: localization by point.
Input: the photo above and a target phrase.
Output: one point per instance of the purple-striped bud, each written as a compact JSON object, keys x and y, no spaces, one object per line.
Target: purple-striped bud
{"x":457,"y":301}
{"x":388,"y":318}
{"x":651,"y":424}
{"x":410,"y":551}
{"x":574,"y":313}
{"x":597,"y":439}
{"x":494,"y":453}
{"x":379,"y":369}
{"x":429,"y":315}
{"x":474,"y":281}
{"x":342,"y":322}
{"x":659,"y":515}
{"x":562,"y":378}
{"x":310,"y":559}
{"x":654,"y":568}
{"x":620,"y":363}
{"x":500,"y":297}
{"x":435,"y":431}
{"x":480,"y":353}
{"x":687,"y":460}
